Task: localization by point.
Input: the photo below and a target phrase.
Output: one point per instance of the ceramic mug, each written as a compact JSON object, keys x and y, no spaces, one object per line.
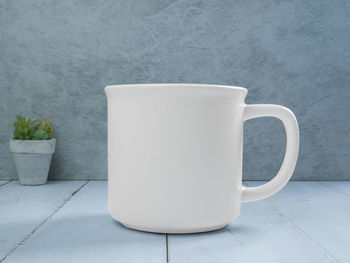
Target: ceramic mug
{"x":175,"y":155}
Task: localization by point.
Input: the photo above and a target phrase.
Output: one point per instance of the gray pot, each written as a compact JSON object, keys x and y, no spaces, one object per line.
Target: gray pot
{"x":32,"y":159}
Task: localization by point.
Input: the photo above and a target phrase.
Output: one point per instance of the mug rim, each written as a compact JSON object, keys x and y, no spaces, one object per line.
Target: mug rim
{"x":167,"y":85}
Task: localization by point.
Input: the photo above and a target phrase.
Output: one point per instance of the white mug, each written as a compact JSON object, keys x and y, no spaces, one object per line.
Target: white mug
{"x":175,"y":155}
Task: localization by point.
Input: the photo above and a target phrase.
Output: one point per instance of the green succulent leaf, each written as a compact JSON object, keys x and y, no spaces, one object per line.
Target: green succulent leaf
{"x":46,"y":126}
{"x":40,"y":135}
{"x":31,"y":129}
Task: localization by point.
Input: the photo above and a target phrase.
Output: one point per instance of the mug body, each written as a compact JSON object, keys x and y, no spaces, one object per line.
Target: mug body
{"x":175,"y":156}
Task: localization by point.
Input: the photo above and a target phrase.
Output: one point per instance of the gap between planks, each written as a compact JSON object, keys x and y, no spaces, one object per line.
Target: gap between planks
{"x":44,"y":221}
{"x":167,"y":248}
{"x":5,"y":182}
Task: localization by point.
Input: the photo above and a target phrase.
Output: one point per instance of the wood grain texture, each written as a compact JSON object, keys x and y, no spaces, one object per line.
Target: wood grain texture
{"x":320,"y":211}
{"x":339,"y":187}
{"x":260,"y":234}
{"x":23,"y":208}
{"x":83,"y":231}
{"x":2,"y":182}
{"x":305,"y":222}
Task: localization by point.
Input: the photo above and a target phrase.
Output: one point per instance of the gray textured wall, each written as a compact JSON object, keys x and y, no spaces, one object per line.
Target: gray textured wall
{"x":57,"y":56}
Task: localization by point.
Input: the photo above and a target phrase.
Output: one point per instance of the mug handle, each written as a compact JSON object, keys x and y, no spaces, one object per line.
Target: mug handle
{"x":290,"y":123}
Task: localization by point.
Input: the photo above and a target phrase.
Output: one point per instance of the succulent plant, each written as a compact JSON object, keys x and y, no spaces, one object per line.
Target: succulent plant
{"x":24,"y":128}
{"x":46,"y":126}
{"x":40,"y":135}
{"x":31,"y":129}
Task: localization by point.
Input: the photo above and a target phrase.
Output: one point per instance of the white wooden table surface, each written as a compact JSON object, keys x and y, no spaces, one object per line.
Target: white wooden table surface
{"x":68,"y":221}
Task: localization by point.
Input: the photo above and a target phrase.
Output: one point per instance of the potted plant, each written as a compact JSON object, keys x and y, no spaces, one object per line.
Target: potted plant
{"x":32,"y":146}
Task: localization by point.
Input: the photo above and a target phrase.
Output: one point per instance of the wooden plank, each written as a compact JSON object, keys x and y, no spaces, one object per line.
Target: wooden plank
{"x":83,"y":231}
{"x":260,"y":234}
{"x":340,"y":187}
{"x":321,"y":211}
{"x":23,"y":208}
{"x":2,"y":182}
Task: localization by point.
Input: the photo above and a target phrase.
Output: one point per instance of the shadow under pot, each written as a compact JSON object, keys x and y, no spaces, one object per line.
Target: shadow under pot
{"x":32,"y":159}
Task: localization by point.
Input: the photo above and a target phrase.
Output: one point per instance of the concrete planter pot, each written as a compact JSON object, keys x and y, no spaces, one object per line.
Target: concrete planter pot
{"x":32,"y":159}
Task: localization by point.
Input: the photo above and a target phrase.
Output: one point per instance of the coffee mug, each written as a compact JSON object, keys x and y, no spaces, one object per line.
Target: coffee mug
{"x":175,"y":155}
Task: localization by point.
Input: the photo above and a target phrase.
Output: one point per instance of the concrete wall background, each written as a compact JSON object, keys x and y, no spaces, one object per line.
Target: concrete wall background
{"x":57,"y":56}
